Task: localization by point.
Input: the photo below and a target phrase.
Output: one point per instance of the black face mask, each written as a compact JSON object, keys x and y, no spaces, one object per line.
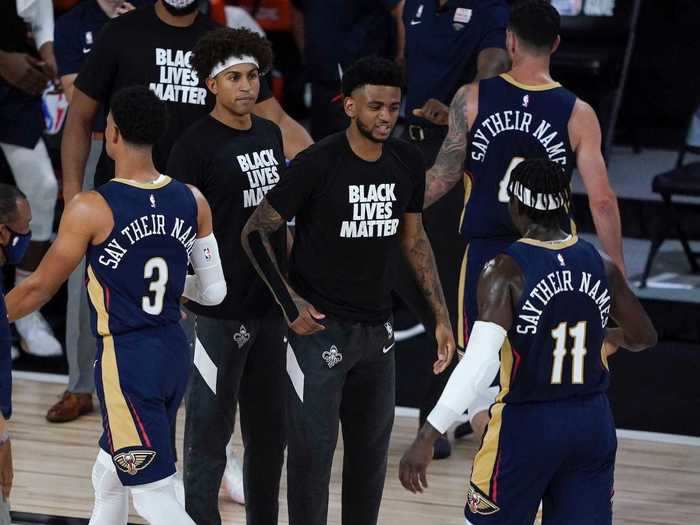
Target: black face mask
{"x":181,"y":11}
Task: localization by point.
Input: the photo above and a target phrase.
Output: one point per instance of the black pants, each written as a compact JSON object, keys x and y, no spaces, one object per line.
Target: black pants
{"x":244,"y":361}
{"x":441,"y":222}
{"x":346,"y":374}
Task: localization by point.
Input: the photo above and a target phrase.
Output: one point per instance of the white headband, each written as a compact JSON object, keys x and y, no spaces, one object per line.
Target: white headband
{"x":232,"y":61}
{"x":524,"y":195}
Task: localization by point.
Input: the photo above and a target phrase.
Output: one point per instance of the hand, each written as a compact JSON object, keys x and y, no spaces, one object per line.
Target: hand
{"x":609,"y":348}
{"x":49,"y":62}
{"x":445,"y":347}
{"x":6,"y":471}
{"x":24,"y":72}
{"x":414,"y":465}
{"x":614,"y":339}
{"x":305,"y":323}
{"x":434,"y":111}
{"x":124,"y":8}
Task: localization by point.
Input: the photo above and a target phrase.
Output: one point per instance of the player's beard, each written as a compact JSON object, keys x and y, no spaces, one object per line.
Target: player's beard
{"x":367,"y":133}
{"x":182,"y":10}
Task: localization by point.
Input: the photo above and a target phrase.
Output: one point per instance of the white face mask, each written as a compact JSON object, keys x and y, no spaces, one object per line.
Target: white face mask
{"x":179,"y":4}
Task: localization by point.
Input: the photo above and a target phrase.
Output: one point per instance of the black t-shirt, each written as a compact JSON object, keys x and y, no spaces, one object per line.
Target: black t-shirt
{"x":138,"y":48}
{"x":348,"y":210}
{"x":233,"y":169}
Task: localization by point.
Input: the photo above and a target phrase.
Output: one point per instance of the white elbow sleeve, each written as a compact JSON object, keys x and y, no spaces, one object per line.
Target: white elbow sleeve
{"x":473,"y":374}
{"x":207,"y":286}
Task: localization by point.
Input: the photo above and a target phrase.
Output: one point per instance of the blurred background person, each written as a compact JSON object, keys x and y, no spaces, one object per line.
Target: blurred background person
{"x":27,"y":67}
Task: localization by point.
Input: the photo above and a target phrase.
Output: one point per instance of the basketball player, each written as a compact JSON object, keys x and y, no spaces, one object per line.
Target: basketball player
{"x":357,"y":196}
{"x":495,"y":124}
{"x":15,"y":234}
{"x":136,"y":233}
{"x":234,"y":157}
{"x":544,"y":303}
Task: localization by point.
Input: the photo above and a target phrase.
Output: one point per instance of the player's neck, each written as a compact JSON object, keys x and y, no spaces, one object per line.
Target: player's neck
{"x":172,"y":20}
{"x":361,"y":146}
{"x":544,"y":233}
{"x":136,"y":165}
{"x":531,"y":71}
{"x":230,"y":119}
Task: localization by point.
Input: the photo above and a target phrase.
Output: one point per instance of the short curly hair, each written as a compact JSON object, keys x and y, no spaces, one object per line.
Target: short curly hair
{"x":221,"y":43}
{"x":371,"y":70}
{"x":139,"y":114}
{"x":537,"y":22}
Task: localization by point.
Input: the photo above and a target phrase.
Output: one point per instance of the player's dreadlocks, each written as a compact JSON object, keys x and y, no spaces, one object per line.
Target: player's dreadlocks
{"x":218,"y":45}
{"x":541,"y":188}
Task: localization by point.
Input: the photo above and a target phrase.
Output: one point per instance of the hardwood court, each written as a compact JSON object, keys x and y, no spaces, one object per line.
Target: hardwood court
{"x":656,"y":483}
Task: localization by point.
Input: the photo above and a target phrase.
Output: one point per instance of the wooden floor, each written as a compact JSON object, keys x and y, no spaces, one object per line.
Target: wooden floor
{"x":656,"y":483}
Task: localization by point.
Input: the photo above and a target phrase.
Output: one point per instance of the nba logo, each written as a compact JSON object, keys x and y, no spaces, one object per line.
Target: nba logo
{"x":88,"y":38}
{"x":207,"y":254}
{"x":526,"y":101}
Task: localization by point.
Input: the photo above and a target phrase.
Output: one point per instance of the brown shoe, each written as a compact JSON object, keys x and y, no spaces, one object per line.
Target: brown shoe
{"x":70,"y":407}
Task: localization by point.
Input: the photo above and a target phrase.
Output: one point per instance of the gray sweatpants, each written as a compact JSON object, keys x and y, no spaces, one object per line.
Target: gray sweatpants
{"x":4,"y":511}
{"x":80,"y":343}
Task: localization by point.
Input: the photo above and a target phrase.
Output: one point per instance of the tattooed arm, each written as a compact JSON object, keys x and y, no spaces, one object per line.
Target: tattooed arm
{"x":419,"y":254}
{"x":301,"y":316}
{"x":448,"y":169}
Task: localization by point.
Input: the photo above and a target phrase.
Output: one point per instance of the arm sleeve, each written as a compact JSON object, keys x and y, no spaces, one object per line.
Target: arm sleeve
{"x":494,"y":23}
{"x":417,"y":165}
{"x":207,"y":286}
{"x":473,"y":374}
{"x":296,"y":187}
{"x":96,"y":77}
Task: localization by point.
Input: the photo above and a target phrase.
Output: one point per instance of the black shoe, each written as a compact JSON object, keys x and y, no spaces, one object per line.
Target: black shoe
{"x":442,"y":448}
{"x":463,"y":430}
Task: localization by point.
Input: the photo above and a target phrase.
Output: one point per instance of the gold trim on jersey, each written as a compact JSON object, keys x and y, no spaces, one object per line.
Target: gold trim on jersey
{"x":604,"y":357}
{"x":160,"y":182}
{"x":529,"y":87}
{"x":467,"y":181}
{"x":461,"y":297}
{"x":485,"y":460}
{"x":551,"y":245}
{"x":121,"y":422}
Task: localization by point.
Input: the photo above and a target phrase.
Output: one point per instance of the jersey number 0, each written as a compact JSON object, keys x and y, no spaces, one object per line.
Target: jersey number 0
{"x":155,"y":269}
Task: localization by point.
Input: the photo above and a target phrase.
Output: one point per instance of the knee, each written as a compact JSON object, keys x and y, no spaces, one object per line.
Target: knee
{"x":105,"y":481}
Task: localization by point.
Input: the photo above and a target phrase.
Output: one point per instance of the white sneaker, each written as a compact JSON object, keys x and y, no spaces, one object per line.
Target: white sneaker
{"x":37,"y":337}
{"x":179,"y":486}
{"x":233,"y":478}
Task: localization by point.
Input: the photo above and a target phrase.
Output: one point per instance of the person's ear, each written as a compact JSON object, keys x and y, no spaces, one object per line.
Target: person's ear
{"x":350,"y":107}
{"x":211,"y":85}
{"x":556,"y":44}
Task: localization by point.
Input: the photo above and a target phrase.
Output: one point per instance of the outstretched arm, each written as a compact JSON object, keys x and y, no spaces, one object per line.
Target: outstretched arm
{"x":498,"y":289}
{"x":419,"y":254}
{"x":76,"y":231}
{"x":448,"y":169}
{"x":586,"y":139}
{"x":255,"y":237}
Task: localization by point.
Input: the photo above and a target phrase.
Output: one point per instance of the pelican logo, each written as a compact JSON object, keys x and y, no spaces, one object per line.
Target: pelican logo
{"x":241,"y":337}
{"x":526,"y":101}
{"x":478,"y":504}
{"x":389,"y":329}
{"x":153,"y":201}
{"x":133,"y":461}
{"x":332,"y":357}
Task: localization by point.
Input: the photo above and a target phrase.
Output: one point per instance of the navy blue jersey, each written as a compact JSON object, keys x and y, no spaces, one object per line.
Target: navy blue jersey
{"x":136,"y":276}
{"x":554,"y":348}
{"x":514,"y":122}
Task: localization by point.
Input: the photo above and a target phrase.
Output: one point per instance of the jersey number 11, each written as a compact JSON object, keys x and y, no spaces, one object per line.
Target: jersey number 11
{"x":578,"y":352}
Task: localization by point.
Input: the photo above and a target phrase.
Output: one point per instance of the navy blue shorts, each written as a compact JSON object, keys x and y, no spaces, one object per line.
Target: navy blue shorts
{"x":559,"y":452}
{"x":477,"y":254}
{"x":140,"y":378}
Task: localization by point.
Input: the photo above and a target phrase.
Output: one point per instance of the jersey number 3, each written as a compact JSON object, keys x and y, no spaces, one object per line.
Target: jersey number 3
{"x":503,"y":185}
{"x":578,"y":352}
{"x":156,"y":270}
